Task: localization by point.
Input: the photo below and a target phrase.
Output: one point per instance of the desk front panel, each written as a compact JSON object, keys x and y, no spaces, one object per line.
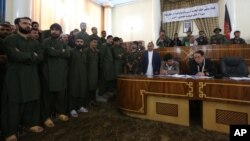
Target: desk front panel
{"x":133,"y":90}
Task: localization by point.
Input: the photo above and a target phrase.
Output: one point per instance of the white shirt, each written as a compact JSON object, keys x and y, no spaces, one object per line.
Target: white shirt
{"x":150,"y":65}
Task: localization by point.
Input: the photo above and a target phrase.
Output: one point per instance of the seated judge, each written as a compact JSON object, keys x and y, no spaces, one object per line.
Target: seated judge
{"x":169,"y":66}
{"x":151,"y":62}
{"x":201,"y":66}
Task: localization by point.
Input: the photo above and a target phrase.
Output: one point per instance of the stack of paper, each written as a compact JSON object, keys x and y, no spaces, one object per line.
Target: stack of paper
{"x":240,"y":78}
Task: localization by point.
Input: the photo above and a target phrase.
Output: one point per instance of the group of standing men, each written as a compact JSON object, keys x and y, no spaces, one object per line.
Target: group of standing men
{"x":50,"y":78}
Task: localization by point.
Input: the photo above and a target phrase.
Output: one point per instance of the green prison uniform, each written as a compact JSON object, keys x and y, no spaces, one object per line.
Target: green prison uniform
{"x":21,"y":91}
{"x":78,"y":79}
{"x":55,"y":70}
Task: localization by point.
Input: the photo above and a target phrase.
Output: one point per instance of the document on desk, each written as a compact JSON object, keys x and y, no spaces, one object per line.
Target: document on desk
{"x":240,"y":78}
{"x":203,"y":77}
{"x":180,"y":76}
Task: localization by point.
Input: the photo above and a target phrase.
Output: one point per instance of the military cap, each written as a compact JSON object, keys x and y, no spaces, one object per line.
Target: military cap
{"x":217,"y":29}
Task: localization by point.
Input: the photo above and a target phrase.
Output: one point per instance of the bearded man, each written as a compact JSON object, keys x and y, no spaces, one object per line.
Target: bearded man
{"x":78,"y":79}
{"x":55,"y":70}
{"x":21,"y":92}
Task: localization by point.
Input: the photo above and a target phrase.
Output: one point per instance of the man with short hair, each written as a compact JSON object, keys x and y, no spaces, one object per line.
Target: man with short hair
{"x":55,"y":70}
{"x":35,"y":25}
{"x":151,"y":61}
{"x":92,"y":55}
{"x":133,"y":59}
{"x":5,"y":30}
{"x":94,"y":35}
{"x":163,"y":40}
{"x":78,"y":79}
{"x":185,"y":40}
{"x":202,"y":39}
{"x":21,"y":94}
{"x":107,"y":67}
{"x":169,"y":66}
{"x":200,"y":66}
{"x":118,"y":54}
{"x":34,"y":34}
{"x":103,"y":38}
{"x":176,"y":41}
{"x":83,"y":34}
{"x":64,"y":38}
{"x":237,"y":39}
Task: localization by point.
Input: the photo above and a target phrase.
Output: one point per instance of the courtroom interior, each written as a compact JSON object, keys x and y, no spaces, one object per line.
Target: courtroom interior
{"x":124,"y":70}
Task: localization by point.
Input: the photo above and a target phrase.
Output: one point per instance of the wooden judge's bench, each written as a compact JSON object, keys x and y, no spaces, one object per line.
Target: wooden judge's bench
{"x":166,"y":99}
{"x":214,"y":52}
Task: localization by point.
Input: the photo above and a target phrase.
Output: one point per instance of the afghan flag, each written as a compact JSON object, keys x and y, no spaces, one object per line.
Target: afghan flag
{"x":227,"y":24}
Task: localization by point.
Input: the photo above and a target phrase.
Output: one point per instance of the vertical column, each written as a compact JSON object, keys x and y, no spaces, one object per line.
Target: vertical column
{"x":108,"y":18}
{"x":156,"y":11}
{"x":22,"y":8}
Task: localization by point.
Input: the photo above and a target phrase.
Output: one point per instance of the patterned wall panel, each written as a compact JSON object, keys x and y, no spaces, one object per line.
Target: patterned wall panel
{"x":167,"y":109}
{"x":230,"y":117}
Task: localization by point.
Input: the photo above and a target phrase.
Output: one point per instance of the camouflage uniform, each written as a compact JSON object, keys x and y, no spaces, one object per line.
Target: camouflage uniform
{"x":134,"y":59}
{"x":218,"y":39}
{"x":163,"y":43}
{"x":237,"y":41}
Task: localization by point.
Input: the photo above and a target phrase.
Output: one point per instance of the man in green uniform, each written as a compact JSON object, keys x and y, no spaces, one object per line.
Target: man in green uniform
{"x":218,"y":38}
{"x":78,"y":79}
{"x":133,"y":59}
{"x":94,"y":35}
{"x":21,"y":94}
{"x":92,"y":55}
{"x":103,"y":38}
{"x":107,"y":67}
{"x":237,"y":39}
{"x":83,"y":33}
{"x":118,"y":54}
{"x":163,"y":40}
{"x":55,"y":70}
{"x":4,"y":32}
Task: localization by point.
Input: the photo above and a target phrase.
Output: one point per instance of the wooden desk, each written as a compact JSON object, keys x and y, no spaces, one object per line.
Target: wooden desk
{"x":215,"y":52}
{"x":155,"y":98}
{"x":166,"y":99}
{"x":224,"y":102}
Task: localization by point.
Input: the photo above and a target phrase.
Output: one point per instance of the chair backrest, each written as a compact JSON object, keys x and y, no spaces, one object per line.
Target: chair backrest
{"x":233,"y":67}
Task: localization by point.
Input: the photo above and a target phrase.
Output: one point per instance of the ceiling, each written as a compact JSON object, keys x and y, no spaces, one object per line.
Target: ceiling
{"x":112,"y":2}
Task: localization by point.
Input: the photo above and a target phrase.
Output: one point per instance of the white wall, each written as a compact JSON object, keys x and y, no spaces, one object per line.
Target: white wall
{"x":238,"y":11}
{"x":133,"y":21}
{"x":141,"y":11}
{"x":242,"y":18}
{"x":9,"y":11}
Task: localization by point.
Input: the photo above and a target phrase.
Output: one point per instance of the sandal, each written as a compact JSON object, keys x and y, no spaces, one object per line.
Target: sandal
{"x":63,"y":117}
{"x":49,"y":123}
{"x":11,"y":138}
{"x":36,"y":129}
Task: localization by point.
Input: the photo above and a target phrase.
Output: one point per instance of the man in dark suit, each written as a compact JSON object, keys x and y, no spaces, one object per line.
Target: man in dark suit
{"x":200,"y":66}
{"x":151,"y":61}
